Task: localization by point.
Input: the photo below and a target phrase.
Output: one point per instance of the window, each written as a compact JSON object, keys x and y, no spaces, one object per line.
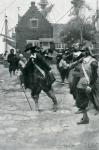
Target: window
{"x":34,"y":42}
{"x":45,"y":44}
{"x":34,"y":22}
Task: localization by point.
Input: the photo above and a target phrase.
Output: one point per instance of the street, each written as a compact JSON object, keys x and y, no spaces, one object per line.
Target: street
{"x":23,"y":129}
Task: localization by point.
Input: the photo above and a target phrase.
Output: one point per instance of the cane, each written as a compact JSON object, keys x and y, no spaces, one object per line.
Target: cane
{"x":25,"y":94}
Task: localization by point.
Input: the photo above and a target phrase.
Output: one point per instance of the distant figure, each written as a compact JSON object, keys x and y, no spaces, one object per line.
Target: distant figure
{"x":13,"y":62}
{"x":63,"y":65}
{"x":22,"y":61}
{"x":21,"y":64}
{"x":58,"y":58}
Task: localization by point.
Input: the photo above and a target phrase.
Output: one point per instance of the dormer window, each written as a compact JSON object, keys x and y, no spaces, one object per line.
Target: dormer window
{"x":34,"y":23}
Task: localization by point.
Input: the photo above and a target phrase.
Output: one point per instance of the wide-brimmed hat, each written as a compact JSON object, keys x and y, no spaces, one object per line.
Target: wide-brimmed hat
{"x":30,"y":47}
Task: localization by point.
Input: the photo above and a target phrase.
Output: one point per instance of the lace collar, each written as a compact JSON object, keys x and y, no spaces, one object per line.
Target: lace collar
{"x":33,"y":55}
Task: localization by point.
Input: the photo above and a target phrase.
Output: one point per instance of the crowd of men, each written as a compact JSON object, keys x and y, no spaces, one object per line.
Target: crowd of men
{"x":79,"y":66}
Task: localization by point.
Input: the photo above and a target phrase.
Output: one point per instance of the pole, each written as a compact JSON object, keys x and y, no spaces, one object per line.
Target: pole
{"x":6,"y":33}
{"x":18,"y":14}
{"x":81,"y":29}
{"x":97,"y":5}
{"x":97,"y":15}
{"x":81,"y":33}
{"x":25,"y":94}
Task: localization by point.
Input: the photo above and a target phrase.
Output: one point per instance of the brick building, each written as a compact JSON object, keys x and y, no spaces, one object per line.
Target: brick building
{"x":34,"y":28}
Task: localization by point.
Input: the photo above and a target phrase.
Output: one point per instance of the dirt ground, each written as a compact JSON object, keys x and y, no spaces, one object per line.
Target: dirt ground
{"x":23,"y":129}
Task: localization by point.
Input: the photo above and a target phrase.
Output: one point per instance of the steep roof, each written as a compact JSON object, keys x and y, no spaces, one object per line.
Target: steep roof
{"x":31,"y":12}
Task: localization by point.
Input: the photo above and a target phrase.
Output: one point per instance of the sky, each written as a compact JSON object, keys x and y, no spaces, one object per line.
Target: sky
{"x":10,"y":7}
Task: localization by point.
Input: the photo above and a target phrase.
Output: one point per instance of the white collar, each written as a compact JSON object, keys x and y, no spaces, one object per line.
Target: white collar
{"x":33,"y":55}
{"x":77,"y":53}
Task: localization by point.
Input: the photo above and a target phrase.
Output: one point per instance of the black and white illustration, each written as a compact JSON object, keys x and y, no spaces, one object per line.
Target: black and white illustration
{"x":49,"y":75}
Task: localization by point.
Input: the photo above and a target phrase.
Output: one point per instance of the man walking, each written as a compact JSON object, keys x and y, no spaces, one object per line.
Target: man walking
{"x":13,"y":62}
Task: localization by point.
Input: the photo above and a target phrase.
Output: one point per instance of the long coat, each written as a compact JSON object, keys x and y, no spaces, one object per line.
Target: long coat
{"x":13,"y":62}
{"x":83,"y":96}
{"x":34,"y":79}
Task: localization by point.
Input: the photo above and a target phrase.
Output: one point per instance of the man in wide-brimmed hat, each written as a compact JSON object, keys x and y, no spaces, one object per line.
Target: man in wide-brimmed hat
{"x":87,"y":79}
{"x":37,"y":76}
{"x":30,"y":47}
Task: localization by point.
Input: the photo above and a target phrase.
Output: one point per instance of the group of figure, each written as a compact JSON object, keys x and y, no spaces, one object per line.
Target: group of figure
{"x":36,"y":74}
{"x":83,"y":81}
{"x":81,"y":72}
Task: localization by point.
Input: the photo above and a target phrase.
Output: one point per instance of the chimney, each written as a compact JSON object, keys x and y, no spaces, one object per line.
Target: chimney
{"x":32,"y":4}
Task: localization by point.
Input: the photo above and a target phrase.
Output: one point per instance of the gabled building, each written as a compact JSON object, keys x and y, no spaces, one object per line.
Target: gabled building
{"x":34,"y":28}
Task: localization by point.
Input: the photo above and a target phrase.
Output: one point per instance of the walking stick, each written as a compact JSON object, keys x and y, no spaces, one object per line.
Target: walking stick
{"x":25,"y":94}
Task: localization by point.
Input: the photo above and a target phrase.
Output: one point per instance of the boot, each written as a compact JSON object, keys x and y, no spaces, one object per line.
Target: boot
{"x":84,"y":120}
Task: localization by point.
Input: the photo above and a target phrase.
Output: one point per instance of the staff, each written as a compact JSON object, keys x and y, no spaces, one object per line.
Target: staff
{"x":25,"y":94}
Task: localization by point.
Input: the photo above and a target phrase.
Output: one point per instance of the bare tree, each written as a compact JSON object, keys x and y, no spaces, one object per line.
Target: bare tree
{"x":78,"y":6}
